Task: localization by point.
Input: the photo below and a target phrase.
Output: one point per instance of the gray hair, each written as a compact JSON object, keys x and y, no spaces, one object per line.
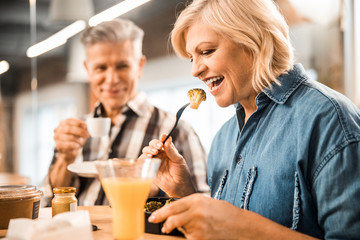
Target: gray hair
{"x":113,"y":31}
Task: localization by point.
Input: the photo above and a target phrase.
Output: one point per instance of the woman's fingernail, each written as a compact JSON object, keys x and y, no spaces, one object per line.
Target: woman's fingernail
{"x":153,"y":150}
{"x":159,"y":145}
{"x":151,"y":218}
{"x":163,"y":229}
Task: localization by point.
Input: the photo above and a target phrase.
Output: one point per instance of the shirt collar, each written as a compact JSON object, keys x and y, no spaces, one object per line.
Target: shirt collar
{"x":289,"y":82}
{"x":138,"y":105}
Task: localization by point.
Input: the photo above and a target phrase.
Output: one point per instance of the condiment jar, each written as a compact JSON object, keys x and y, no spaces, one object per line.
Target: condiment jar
{"x":18,"y":201}
{"x":64,"y":200}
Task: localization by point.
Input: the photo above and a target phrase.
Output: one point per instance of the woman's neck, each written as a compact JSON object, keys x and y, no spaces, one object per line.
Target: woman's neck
{"x":249,"y":105}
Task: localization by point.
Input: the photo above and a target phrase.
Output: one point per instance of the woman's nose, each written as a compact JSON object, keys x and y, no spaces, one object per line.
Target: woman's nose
{"x":197,"y":68}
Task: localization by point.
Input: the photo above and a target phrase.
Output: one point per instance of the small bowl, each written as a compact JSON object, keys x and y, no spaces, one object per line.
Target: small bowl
{"x":155,"y":228}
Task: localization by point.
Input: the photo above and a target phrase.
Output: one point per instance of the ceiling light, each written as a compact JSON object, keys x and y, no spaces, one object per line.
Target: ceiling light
{"x":56,"y":40}
{"x":115,"y":11}
{"x":4,"y":66}
{"x":62,"y":36}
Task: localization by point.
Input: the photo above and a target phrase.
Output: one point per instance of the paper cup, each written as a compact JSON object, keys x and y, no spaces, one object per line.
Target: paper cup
{"x":98,"y":127}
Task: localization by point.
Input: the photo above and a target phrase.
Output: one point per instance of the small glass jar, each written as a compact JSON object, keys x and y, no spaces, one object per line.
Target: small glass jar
{"x":18,"y":201}
{"x":64,"y":200}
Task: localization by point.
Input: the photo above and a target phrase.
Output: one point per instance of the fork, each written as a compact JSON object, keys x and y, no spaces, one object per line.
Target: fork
{"x":178,"y":115}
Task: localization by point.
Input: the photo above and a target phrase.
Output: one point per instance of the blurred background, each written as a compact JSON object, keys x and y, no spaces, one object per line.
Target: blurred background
{"x":36,"y":93}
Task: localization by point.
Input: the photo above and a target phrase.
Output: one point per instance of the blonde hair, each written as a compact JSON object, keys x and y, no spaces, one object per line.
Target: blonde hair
{"x":114,"y":31}
{"x":257,"y":25}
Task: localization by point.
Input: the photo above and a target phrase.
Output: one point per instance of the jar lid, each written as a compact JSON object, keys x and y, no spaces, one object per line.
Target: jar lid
{"x":58,"y":190}
{"x":9,"y":192}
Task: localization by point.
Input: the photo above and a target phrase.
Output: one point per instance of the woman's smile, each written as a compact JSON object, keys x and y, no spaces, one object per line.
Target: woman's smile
{"x":214,"y":83}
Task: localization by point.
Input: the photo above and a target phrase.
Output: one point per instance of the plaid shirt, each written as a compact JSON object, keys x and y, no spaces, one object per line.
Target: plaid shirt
{"x":139,"y":123}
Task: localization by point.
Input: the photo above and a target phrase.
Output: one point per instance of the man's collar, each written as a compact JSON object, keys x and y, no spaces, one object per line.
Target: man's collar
{"x":138,"y":105}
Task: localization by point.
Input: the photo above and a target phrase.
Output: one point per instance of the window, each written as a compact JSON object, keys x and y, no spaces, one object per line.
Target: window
{"x":36,"y":141}
{"x":34,"y":134}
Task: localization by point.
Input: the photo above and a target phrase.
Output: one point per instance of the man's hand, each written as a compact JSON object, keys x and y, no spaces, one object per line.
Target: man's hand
{"x":70,"y":136}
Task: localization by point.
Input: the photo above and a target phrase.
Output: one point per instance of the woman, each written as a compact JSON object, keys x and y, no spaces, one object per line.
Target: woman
{"x":286,"y":165}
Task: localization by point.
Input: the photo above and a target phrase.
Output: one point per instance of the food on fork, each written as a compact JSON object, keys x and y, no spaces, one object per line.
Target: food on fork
{"x":196,"y":96}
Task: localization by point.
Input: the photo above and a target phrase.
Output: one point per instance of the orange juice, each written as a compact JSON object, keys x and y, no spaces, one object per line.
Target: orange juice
{"x":127,"y":197}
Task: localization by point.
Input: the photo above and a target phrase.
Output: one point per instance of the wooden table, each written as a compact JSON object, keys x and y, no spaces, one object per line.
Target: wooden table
{"x":101,"y":216}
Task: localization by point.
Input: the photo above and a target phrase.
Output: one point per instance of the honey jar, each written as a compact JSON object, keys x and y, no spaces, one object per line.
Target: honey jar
{"x":64,"y":200}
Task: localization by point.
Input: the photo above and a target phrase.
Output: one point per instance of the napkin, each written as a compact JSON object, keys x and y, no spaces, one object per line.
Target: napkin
{"x":64,"y":226}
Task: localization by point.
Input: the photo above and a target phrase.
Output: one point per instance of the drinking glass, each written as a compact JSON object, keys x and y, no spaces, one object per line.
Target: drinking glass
{"x":127,"y":184}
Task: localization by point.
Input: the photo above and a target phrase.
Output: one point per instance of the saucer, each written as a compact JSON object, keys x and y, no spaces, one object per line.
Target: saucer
{"x":84,"y":169}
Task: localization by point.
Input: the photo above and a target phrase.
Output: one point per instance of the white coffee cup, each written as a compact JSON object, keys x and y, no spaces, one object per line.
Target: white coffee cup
{"x":98,"y":127}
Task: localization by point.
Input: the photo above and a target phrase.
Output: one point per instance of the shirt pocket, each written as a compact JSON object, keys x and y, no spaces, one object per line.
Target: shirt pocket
{"x":222,"y":184}
{"x":249,"y":185}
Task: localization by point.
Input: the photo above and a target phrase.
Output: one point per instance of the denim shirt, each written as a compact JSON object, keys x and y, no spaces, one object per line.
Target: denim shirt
{"x":296,"y":160}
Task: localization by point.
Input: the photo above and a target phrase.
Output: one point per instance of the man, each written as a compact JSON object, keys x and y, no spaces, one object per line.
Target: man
{"x":114,"y":63}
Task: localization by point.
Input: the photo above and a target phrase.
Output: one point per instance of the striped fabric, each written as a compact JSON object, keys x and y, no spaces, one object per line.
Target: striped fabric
{"x":139,"y":123}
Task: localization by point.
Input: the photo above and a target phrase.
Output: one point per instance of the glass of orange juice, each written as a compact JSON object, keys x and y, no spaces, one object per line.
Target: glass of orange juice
{"x":127,"y":184}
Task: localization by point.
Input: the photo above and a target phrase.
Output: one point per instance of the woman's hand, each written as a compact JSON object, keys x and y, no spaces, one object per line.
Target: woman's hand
{"x":173,"y":176}
{"x":201,"y":217}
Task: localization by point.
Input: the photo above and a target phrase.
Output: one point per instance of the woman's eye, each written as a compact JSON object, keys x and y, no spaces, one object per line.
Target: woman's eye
{"x":207,"y":52}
